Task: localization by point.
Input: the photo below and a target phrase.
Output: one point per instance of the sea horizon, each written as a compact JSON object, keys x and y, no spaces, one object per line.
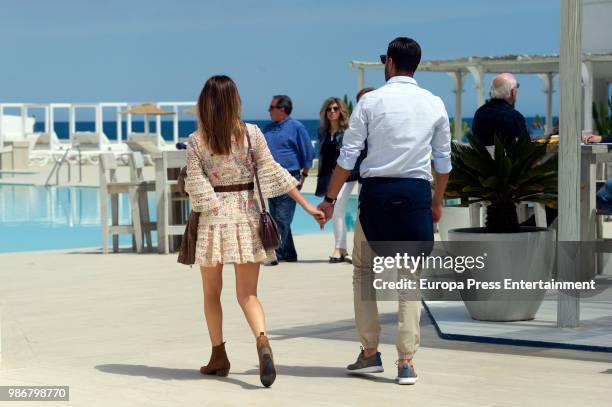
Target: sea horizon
{"x":186,"y":127}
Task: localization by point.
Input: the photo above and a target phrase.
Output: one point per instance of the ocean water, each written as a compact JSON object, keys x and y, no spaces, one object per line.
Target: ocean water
{"x":187,"y":127}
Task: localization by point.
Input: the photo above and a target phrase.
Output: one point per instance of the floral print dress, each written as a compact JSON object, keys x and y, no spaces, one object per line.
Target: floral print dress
{"x":228,"y":230}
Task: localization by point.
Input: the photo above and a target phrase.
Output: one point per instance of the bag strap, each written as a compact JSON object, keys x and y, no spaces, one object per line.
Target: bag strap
{"x":255,"y":168}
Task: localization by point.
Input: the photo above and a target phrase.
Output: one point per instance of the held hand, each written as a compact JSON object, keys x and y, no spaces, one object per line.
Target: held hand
{"x":317,"y":214}
{"x":436,"y":212}
{"x":320,"y":218}
{"x":327,"y":208}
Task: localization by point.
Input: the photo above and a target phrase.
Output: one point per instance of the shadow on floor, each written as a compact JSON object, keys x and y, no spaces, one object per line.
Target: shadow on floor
{"x":320,"y":371}
{"x":164,"y":373}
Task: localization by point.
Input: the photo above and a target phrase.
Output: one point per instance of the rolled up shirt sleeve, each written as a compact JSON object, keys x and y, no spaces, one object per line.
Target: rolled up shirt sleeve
{"x":441,"y":144}
{"x":354,"y":138}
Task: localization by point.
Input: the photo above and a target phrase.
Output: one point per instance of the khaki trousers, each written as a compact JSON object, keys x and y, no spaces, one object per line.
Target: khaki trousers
{"x":366,"y":312}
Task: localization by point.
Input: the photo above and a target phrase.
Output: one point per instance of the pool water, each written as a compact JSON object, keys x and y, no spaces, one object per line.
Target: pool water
{"x":47,"y":218}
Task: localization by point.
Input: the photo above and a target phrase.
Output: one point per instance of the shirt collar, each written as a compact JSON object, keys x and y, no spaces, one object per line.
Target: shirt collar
{"x":282,"y":122}
{"x":402,"y":79}
{"x":499,"y":101}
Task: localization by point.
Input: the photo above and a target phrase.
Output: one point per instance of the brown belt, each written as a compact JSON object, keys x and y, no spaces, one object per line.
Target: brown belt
{"x":235,"y":188}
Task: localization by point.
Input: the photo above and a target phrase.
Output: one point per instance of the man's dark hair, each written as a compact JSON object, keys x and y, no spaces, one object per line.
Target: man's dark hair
{"x":405,"y":53}
{"x":284,"y":101}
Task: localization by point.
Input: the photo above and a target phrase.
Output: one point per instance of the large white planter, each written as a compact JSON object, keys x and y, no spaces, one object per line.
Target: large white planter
{"x":528,"y":255}
{"x":453,"y":217}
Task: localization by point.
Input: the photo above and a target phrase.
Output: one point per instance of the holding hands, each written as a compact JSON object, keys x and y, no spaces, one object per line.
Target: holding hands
{"x":328,"y":209}
{"x":318,"y":215}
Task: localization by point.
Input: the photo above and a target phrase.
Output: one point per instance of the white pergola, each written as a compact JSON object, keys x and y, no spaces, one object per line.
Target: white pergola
{"x":596,"y":75}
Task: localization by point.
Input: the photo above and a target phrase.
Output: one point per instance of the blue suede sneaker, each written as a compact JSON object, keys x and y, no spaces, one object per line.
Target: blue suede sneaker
{"x":372,"y":364}
{"x":406,"y":374}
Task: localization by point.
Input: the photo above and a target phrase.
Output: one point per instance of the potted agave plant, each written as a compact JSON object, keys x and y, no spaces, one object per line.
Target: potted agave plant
{"x":517,"y":171}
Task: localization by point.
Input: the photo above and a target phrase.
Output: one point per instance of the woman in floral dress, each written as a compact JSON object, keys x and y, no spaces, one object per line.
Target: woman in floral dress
{"x":220,"y":185}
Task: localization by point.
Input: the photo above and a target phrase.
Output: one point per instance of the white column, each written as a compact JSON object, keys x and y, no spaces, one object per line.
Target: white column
{"x":46,"y":109}
{"x":360,"y":78}
{"x":98,"y":118}
{"x":24,"y":116}
{"x":158,"y":132}
{"x":98,"y":125}
{"x":587,"y":85}
{"x":51,"y":126}
{"x":457,"y":78}
{"x":568,"y":305}
{"x":547,"y":80}
{"x":119,"y":125}
{"x":478,"y":75}
{"x":175,"y":125}
{"x":146,"y":124}
{"x":128,"y":124}
{"x":71,"y":122}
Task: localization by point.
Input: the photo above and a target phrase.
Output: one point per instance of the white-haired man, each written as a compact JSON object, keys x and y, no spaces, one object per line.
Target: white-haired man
{"x":498,"y":115}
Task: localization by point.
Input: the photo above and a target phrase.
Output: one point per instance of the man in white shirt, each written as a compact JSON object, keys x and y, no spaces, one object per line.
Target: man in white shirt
{"x":405,"y":128}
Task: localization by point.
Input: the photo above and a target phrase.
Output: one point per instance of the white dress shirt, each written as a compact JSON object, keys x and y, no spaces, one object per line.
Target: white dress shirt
{"x":405,"y":126}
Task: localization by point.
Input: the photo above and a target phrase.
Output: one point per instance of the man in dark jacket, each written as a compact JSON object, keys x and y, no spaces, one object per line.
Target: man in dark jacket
{"x":498,"y":115}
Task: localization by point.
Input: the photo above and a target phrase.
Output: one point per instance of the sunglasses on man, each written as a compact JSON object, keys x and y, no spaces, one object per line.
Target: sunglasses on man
{"x":383,"y":59}
{"x":274,"y":107}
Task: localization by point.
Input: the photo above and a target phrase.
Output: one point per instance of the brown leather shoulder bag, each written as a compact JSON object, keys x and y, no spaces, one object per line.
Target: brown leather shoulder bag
{"x":186,"y":254}
{"x":268,"y":230}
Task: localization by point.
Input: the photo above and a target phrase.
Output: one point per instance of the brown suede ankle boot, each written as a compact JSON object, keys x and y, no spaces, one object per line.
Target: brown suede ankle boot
{"x":267,"y":371}
{"x":218,"y":364}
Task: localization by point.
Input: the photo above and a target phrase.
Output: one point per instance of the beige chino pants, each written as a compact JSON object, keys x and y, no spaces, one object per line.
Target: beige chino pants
{"x":366,"y":312}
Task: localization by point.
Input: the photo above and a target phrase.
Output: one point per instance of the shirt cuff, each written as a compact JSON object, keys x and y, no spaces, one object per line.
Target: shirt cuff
{"x":443,"y":165}
{"x":345,"y":161}
{"x":307,"y":164}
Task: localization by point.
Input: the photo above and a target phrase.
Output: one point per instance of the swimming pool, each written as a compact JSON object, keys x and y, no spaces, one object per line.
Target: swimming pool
{"x":47,"y":218}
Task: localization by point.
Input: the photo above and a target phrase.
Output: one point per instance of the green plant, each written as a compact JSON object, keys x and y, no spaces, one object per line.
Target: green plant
{"x":348,"y":103}
{"x":603,"y":119}
{"x":519,"y":170}
{"x":464,"y":129}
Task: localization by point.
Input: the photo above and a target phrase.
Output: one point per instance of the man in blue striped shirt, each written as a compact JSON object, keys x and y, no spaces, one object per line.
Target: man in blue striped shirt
{"x":291,"y":147}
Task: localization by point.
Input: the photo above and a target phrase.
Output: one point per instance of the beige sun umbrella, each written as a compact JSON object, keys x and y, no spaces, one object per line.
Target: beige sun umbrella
{"x":147,"y":109}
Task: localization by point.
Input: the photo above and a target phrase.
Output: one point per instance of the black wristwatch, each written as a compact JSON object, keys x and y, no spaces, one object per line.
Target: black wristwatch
{"x":304,"y":174}
{"x":330,"y":200}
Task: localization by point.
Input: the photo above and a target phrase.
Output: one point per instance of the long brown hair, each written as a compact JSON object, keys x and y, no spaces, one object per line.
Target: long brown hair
{"x":219,"y":109}
{"x":344,"y":115}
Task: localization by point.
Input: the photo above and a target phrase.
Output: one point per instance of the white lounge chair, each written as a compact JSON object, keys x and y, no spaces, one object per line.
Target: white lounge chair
{"x":151,"y":145}
{"x":46,"y":141}
{"x":89,"y":140}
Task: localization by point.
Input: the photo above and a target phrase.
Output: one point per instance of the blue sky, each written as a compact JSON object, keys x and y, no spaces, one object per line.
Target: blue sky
{"x":78,"y":51}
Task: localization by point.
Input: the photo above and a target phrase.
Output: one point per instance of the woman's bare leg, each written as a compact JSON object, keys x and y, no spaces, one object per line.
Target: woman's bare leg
{"x":247,"y":275}
{"x":212,"y":283}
